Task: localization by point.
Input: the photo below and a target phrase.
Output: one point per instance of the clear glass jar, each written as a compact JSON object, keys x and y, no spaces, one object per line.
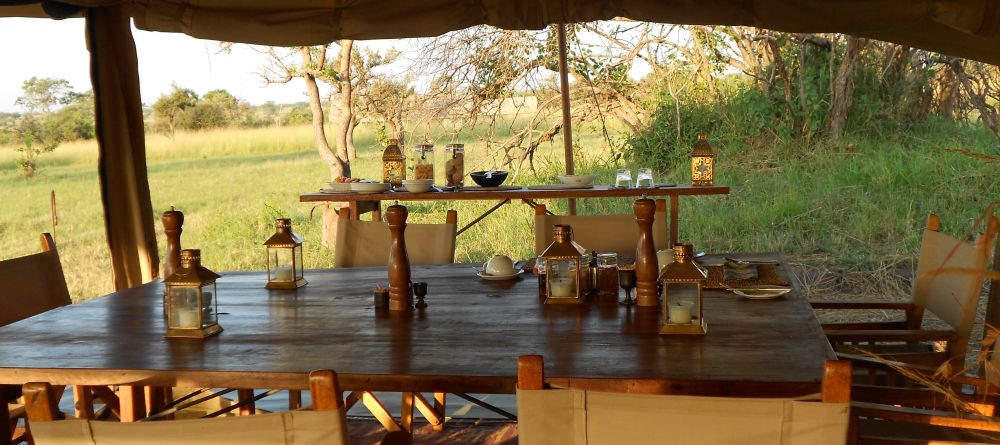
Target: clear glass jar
{"x":454,"y":167}
{"x":423,"y":159}
{"x":607,"y":275}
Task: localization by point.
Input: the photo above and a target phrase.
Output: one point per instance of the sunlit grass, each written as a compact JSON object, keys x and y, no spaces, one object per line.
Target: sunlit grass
{"x":851,"y":207}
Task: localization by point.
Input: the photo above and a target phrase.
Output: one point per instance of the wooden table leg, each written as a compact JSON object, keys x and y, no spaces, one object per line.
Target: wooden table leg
{"x":7,"y":394}
{"x":156,"y":399}
{"x":245,"y":395}
{"x":406,"y":415}
{"x":675,"y":208}
{"x":131,"y":400}
{"x":439,"y":408}
{"x":84,"y":401}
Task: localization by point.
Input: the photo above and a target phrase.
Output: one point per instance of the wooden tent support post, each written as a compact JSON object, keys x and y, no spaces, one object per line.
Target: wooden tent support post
{"x":567,"y":130}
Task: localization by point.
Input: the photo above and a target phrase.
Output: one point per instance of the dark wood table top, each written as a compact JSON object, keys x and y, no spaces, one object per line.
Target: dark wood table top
{"x":467,"y":340}
{"x":600,"y":191}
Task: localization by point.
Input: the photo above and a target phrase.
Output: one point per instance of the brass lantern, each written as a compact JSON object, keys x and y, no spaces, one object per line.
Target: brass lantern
{"x":192,"y":309}
{"x":682,"y":294}
{"x":393,"y":164}
{"x":565,"y":281}
{"x":284,"y":257}
{"x":702,"y":163}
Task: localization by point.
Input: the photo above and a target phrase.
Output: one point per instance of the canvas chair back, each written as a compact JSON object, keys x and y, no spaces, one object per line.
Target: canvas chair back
{"x":581,"y":417}
{"x":32,"y":284}
{"x":326,"y":424}
{"x":366,"y":243}
{"x":602,"y":233}
{"x":949,"y":279}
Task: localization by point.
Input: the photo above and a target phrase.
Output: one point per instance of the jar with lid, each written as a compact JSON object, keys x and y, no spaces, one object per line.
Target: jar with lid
{"x":454,"y":167}
{"x":607,"y":275}
{"x":423,"y":159}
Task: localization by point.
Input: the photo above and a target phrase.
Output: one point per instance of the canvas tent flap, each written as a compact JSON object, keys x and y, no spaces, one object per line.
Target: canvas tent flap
{"x":964,"y":28}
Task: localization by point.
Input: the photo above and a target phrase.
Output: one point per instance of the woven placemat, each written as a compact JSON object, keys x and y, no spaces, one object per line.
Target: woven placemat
{"x":767,"y":274}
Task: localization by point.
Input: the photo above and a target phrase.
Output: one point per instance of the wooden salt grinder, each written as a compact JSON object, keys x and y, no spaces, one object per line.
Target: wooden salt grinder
{"x":173,"y":222}
{"x":399,"y":263}
{"x":646,"y":272}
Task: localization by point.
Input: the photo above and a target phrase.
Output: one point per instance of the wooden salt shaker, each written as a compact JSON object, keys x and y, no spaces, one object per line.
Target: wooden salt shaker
{"x":400,"y":298}
{"x":173,"y":223}
{"x":646,"y":272}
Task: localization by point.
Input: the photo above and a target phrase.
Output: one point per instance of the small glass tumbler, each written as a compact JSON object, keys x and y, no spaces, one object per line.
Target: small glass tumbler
{"x":623,"y":179}
{"x":645,"y":178}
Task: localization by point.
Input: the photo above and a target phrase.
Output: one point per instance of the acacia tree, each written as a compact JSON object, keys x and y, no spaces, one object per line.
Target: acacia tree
{"x":168,"y":108}
{"x":34,"y":134}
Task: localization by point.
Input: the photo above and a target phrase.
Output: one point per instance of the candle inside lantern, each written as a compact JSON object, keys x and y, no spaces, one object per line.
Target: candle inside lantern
{"x":680,"y":313}
{"x":188,"y":318}
{"x":563,"y":287}
{"x":283,"y":273}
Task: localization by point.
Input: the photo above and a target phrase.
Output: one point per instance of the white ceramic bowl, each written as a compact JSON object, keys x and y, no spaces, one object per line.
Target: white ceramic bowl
{"x":418,"y":185}
{"x":577,"y":180}
{"x":499,"y":265}
{"x":339,"y":186}
{"x":369,"y":187}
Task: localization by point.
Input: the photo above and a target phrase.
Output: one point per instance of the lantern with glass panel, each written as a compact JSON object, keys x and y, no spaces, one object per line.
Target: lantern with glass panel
{"x":284,"y":257}
{"x":682,"y":283}
{"x":192,"y":310}
{"x":564,"y":268}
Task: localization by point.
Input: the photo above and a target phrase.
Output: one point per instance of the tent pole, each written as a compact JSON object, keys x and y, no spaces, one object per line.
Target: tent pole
{"x":567,"y":122}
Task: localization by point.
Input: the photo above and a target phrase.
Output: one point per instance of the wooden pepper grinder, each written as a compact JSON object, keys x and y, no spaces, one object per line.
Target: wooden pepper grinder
{"x":400,"y":298}
{"x":173,"y":222}
{"x":646,"y":272}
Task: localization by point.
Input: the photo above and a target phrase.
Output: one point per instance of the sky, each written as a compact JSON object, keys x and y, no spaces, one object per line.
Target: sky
{"x":49,"y":48}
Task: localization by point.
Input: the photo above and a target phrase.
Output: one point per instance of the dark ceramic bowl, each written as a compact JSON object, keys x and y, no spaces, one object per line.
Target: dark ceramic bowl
{"x":492,"y":178}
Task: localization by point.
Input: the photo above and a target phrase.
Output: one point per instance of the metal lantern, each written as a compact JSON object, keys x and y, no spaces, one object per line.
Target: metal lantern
{"x":393,"y":164}
{"x":702,"y":163}
{"x":284,"y":257}
{"x":565,"y":280}
{"x":192,"y":311}
{"x":682,"y":294}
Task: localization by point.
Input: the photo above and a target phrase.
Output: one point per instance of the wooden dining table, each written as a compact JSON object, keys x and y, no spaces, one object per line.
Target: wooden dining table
{"x":466,"y":341}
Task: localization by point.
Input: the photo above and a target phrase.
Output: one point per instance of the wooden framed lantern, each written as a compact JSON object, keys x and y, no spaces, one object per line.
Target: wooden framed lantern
{"x":192,"y":309}
{"x":284,"y":257}
{"x":682,"y":294}
{"x":393,"y":164}
{"x":564,"y":268}
{"x":702,"y":163}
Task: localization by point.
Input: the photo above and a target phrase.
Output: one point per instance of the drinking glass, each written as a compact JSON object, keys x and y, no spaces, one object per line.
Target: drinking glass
{"x":627,"y":280}
{"x":623,"y":179}
{"x":644,"y":178}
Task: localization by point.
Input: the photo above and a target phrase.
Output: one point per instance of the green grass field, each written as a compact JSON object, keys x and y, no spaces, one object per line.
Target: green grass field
{"x":854,"y":209}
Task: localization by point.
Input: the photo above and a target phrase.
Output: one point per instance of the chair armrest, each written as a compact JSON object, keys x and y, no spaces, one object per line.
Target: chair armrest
{"x":925,"y":416}
{"x":861,"y":305}
{"x":919,"y":397}
{"x":903,"y":335}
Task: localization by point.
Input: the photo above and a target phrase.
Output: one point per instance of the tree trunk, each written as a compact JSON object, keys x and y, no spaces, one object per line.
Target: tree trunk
{"x":945,"y":95}
{"x":843,"y":87}
{"x":345,"y":102}
{"x":987,"y":113}
{"x":338,"y":165}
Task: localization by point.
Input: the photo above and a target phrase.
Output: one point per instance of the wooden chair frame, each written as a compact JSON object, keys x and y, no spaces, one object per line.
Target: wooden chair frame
{"x":909,"y":329}
{"x":31,"y":284}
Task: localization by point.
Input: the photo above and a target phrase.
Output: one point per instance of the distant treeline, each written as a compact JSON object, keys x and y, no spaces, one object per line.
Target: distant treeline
{"x":74,"y":120}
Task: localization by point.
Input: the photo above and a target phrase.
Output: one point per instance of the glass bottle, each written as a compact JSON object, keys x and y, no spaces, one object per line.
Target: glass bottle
{"x":423,"y":158}
{"x":454,"y":167}
{"x":607,"y":275}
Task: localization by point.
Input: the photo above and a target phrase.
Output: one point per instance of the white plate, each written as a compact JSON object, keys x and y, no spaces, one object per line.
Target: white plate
{"x":369,"y":187}
{"x":762,"y":294}
{"x":498,"y":277}
{"x":558,"y":187}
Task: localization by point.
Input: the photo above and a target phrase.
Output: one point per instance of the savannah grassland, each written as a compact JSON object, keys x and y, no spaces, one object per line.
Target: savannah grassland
{"x":848,"y":213}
